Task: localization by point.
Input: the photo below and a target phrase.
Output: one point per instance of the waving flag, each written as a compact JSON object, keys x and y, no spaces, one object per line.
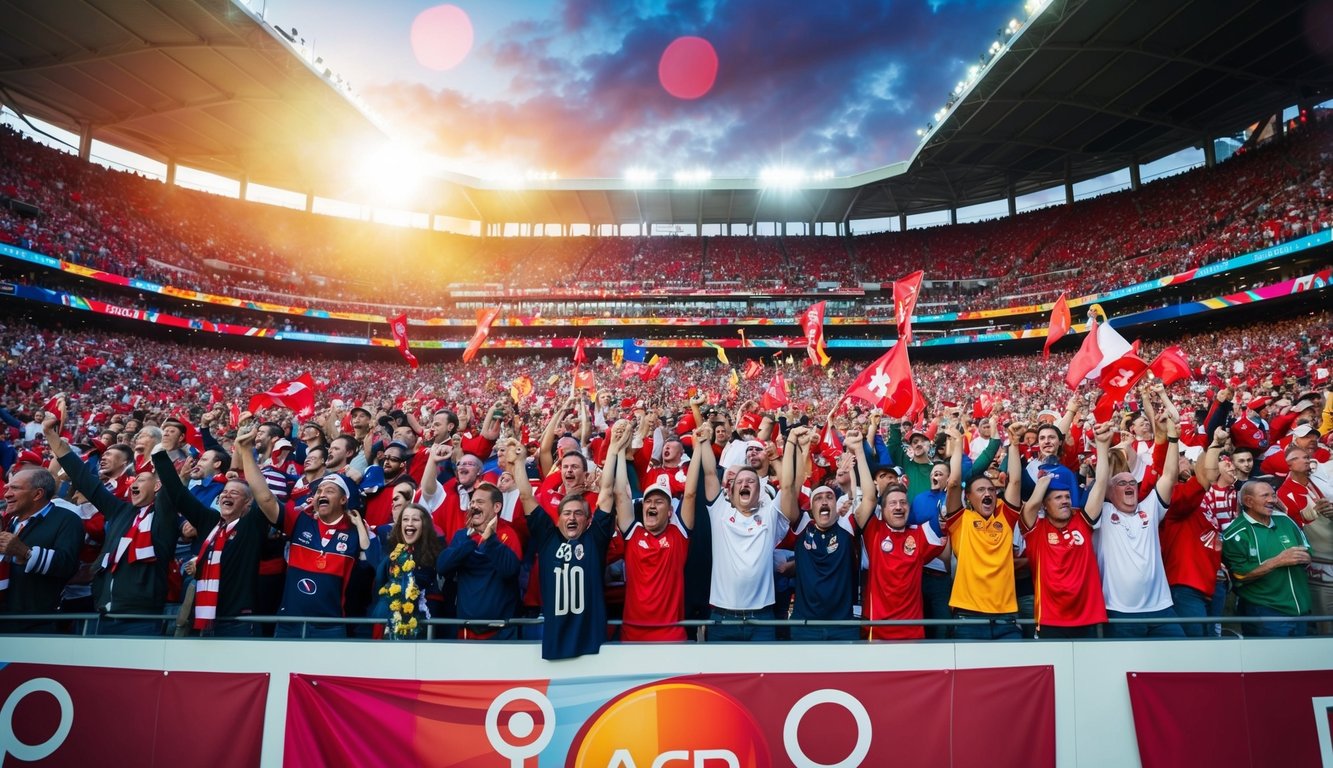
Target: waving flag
{"x":654,"y":368}
{"x":239,"y":364}
{"x":1102,"y":346}
{"x":297,"y":394}
{"x":905,"y":292}
{"x":584,"y":380}
{"x":1117,"y":379}
{"x":521,"y":388}
{"x":887,"y":383}
{"x":580,"y":357}
{"x":398,"y":327}
{"x":1060,"y":325}
{"x":775,"y":396}
{"x":484,"y":319}
{"x":812,"y":324}
{"x":751,"y":369}
{"x":721,"y":353}
{"x":1171,"y":366}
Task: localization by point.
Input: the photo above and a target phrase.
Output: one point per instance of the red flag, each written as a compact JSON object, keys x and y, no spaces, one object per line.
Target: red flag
{"x":905,"y":292}
{"x":983,"y":406}
{"x":580,"y":357}
{"x":1060,"y":325}
{"x":812,"y":324}
{"x":297,"y":394}
{"x":192,"y":436}
{"x":655,"y":367}
{"x":584,"y":380}
{"x":1102,"y":346}
{"x":484,"y":319}
{"x":887,"y":383}
{"x":631,"y":368}
{"x":751,"y":369}
{"x":234,"y":411}
{"x":216,"y":395}
{"x":239,"y":364}
{"x":1117,"y":380}
{"x":398,"y":327}
{"x":830,"y":445}
{"x":1171,"y":366}
{"x":775,"y":396}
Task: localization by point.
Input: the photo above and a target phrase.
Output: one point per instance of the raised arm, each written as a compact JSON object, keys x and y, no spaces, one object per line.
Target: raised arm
{"x":1092,"y":504}
{"x":613,"y":468}
{"x":865,"y":480}
{"x":791,"y":494}
{"x":1013,"y":489}
{"x":263,"y":495}
{"x":1206,"y":471}
{"x":1071,"y":412}
{"x":624,"y":504}
{"x":510,"y":459}
{"x":544,"y":449}
{"x":703,"y":453}
{"x":1166,"y":484}
{"x":1034,"y":502}
{"x":702,"y":435}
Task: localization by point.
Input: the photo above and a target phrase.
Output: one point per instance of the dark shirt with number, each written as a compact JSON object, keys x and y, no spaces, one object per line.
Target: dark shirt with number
{"x":573,"y":606}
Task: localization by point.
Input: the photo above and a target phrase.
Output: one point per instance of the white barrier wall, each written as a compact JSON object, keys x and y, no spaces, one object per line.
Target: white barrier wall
{"x":1094,"y":723}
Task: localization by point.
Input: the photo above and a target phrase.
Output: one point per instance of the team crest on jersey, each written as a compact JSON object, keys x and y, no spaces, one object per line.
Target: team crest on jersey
{"x":1053,"y":538}
{"x":886,"y":545}
{"x":832,"y":544}
{"x":909,"y":546}
{"x":643,"y":544}
{"x":342,"y":537}
{"x":578,"y":552}
{"x":341,"y":546}
{"x":307,"y":586}
{"x":996,"y":526}
{"x":304,"y":538}
{"x":809,"y":543}
{"x":1115,"y":518}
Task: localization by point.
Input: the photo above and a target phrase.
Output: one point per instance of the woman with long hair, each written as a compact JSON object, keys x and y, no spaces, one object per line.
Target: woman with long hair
{"x":406,"y":586}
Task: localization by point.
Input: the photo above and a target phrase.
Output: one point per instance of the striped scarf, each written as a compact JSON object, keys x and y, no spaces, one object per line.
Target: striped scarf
{"x":137,"y":542}
{"x":208,"y":574}
{"x":5,"y":522}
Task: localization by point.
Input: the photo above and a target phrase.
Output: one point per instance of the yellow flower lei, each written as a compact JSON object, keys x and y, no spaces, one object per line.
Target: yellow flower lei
{"x":407,"y":598}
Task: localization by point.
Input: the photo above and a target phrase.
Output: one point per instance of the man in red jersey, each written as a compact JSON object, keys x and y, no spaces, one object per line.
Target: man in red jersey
{"x":1069,"y":602}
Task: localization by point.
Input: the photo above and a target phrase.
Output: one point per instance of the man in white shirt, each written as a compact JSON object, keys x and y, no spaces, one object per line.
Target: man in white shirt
{"x":746,"y":527}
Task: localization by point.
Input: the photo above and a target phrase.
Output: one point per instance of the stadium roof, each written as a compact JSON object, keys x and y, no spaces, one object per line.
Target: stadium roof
{"x":1085,"y":88}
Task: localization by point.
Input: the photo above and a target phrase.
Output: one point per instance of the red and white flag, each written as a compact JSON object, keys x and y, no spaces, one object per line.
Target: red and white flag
{"x":580,"y":357}
{"x":484,"y":319}
{"x":775,"y":396}
{"x":751,"y":369}
{"x":1171,"y":366}
{"x":398,"y":327}
{"x":584,"y":380}
{"x":887,"y":383}
{"x":1117,"y":380}
{"x":239,"y":364}
{"x":1060,"y":325}
{"x":297,"y":394}
{"x":1102,"y":346}
{"x":905,"y":292}
{"x":812,"y":325}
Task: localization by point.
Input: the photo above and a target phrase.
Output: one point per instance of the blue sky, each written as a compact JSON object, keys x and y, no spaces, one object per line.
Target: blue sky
{"x":572,"y":86}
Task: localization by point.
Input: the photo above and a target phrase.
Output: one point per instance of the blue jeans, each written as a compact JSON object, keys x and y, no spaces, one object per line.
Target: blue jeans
{"x":1144,"y":630}
{"x":312,"y":631}
{"x":936,"y":588}
{"x":1269,"y":628}
{"x":986,"y":626}
{"x":139,"y":627}
{"x":819,"y":634}
{"x":1191,"y":603}
{"x":740,"y":633}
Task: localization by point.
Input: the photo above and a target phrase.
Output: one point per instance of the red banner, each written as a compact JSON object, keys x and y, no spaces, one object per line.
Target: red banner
{"x":735,"y":720}
{"x":58,"y":715}
{"x":1268,"y":718}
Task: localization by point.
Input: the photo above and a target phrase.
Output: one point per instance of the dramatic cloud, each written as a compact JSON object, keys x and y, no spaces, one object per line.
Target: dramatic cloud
{"x":818,"y":85}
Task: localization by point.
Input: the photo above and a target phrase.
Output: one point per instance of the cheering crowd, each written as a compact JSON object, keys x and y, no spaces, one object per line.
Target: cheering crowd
{"x":138,"y":486}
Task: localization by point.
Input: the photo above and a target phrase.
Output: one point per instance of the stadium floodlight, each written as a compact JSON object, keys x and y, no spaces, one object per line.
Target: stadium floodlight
{"x":640,"y":175}
{"x":693,"y":176}
{"x":778,"y":176}
{"x":393,"y":171}
{"x":822,"y":175}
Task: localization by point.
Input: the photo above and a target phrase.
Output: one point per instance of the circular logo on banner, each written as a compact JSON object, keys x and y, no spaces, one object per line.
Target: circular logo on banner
{"x":692,"y":723}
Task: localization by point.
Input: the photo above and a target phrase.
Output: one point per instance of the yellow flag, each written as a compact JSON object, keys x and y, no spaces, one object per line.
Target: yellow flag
{"x":721,"y":353}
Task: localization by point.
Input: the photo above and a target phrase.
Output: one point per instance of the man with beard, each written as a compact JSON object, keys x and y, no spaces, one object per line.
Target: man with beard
{"x":745,"y":528}
{"x":450,"y":502}
{"x":324,"y":547}
{"x":982,"y":535}
{"x":826,"y":556}
{"x":898,"y":549}
{"x":226,"y":570}
{"x":140,"y":542}
{"x":1068,"y":588}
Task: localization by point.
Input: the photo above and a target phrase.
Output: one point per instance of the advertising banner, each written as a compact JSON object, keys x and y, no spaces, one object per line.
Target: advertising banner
{"x":65,"y":715}
{"x":998,"y":716}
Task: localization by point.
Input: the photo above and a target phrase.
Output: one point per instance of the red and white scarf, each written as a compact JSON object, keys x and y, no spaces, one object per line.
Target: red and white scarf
{"x":137,"y":542}
{"x":208,"y":574}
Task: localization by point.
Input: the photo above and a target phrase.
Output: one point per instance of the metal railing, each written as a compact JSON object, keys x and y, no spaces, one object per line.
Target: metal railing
{"x":86,"y":624}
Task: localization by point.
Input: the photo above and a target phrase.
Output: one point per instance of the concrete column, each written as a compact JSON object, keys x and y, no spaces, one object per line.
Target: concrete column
{"x":309,"y":202}
{"x":171,"y":172}
{"x":1135,"y":175}
{"x":85,"y":142}
{"x":1209,"y":152}
{"x":902,"y":222}
{"x":953,"y":215}
{"x":245,"y":187}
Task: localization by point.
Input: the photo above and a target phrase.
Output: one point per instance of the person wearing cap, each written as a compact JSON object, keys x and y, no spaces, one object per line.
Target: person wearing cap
{"x":826,"y":557}
{"x":226,"y":563}
{"x":982,"y":537}
{"x":323,"y":547}
{"x":1304,"y":436}
{"x":378,"y":482}
{"x":898,"y":551}
{"x":1060,"y":551}
{"x":915,"y":459}
{"x":139,"y":546}
{"x":1128,"y":545}
{"x":1267,"y":555}
{"x":655,"y":552}
{"x":1050,"y":452}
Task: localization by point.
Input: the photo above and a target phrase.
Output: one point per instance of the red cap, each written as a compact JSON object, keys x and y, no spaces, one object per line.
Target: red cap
{"x":30,"y":457}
